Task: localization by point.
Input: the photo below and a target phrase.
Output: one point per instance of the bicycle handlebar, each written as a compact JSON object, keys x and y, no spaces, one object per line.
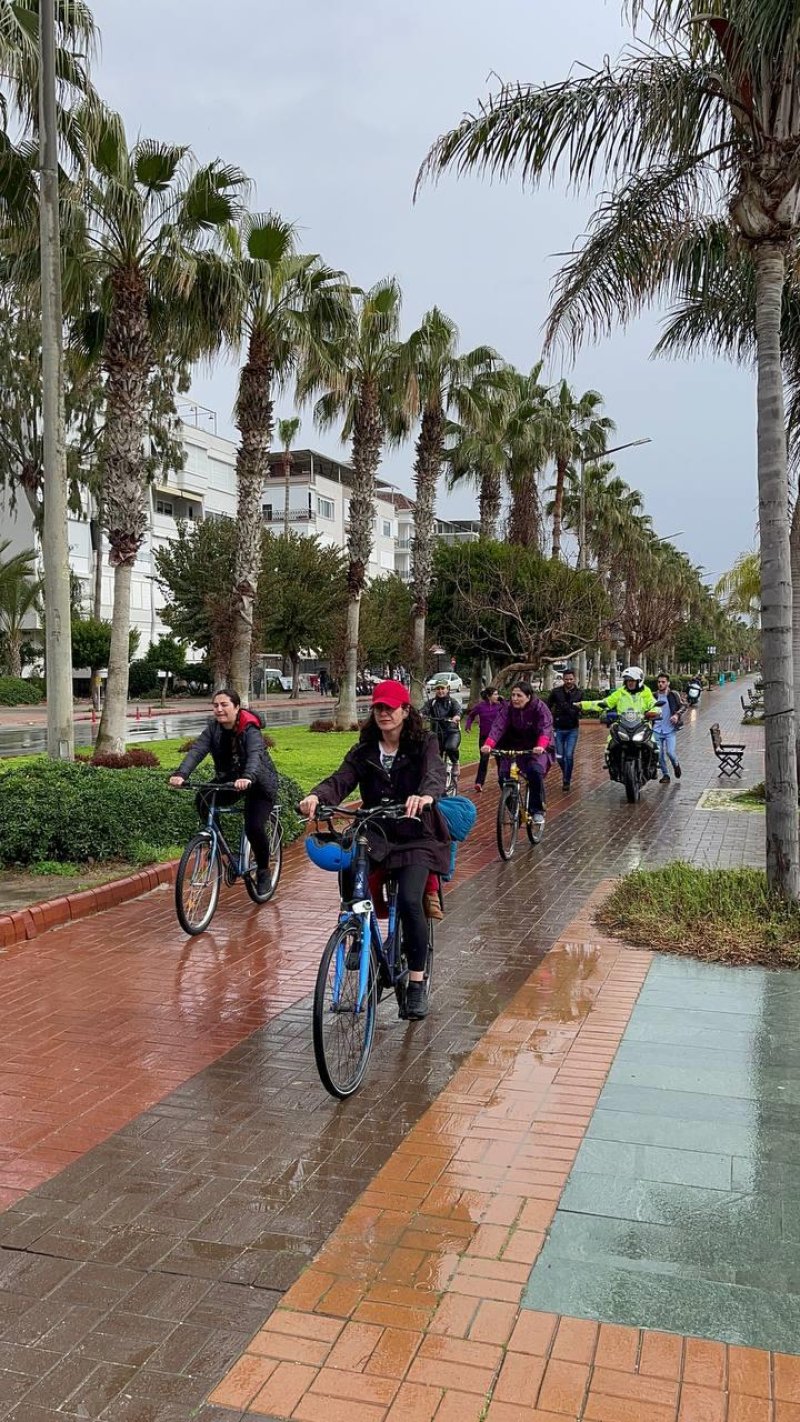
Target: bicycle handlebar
{"x":507,"y":754}
{"x":389,"y":812}
{"x":209,"y":785}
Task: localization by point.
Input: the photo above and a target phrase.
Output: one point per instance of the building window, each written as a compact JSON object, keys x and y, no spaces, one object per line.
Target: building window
{"x":268,"y":513}
{"x":164,"y":506}
{"x":324,"y":507}
{"x":387,"y":528}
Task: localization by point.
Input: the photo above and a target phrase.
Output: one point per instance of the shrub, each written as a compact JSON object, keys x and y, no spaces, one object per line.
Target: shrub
{"x":322,"y":725}
{"x":142,"y":679}
{"x":83,"y":813}
{"x":16,"y":691}
{"x":141,"y":759}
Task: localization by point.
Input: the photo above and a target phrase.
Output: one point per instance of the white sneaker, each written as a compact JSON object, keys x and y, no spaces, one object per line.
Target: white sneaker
{"x":538,"y":818}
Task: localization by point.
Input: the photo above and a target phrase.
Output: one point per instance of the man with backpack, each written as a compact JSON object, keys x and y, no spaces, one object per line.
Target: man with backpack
{"x":666,"y":729}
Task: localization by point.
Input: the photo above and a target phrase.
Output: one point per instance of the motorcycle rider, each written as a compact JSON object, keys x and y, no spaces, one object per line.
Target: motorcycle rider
{"x":633,"y":695}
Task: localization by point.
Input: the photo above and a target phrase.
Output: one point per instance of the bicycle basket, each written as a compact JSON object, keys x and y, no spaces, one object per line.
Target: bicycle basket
{"x":328,"y":852}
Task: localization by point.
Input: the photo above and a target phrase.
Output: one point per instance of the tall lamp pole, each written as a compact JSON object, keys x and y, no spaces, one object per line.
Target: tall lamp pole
{"x":55,"y":545}
{"x":632,"y":444}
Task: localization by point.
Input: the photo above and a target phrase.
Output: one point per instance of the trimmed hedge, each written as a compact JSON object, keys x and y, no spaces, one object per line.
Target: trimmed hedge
{"x":84,"y":813}
{"x":17,"y":691}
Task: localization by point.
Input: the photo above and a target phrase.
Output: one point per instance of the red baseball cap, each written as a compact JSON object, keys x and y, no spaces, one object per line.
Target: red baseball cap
{"x":390,"y":693}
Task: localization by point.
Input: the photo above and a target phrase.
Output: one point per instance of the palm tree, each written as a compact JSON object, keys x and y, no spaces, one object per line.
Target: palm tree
{"x":20,"y":594}
{"x":475,"y":450}
{"x":358,"y":376}
{"x":281,"y":307}
{"x":740,"y":587}
{"x":576,"y":430}
{"x":133,"y":239}
{"x":287,"y":434}
{"x":527,"y":441}
{"x":77,"y":108}
{"x":707,"y":116}
{"x":436,"y":379}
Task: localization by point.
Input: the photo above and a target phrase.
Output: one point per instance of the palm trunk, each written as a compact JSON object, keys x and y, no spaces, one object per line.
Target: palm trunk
{"x":558,"y":507}
{"x":94,"y":688}
{"x":295,"y":692}
{"x":128,"y":359}
{"x":794,"y":548}
{"x":780,"y":768}
{"x":489,"y":500}
{"x":426,"y":477}
{"x":111,"y":735}
{"x":15,"y":654}
{"x":367,"y":441}
{"x":523,"y":523}
{"x":254,"y":421}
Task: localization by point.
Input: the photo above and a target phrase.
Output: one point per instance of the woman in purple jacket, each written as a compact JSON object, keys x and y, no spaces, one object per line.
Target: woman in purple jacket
{"x":525,"y":723}
{"x":485,"y":712}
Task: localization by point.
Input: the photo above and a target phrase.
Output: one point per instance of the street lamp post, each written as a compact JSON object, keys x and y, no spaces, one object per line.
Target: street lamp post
{"x":55,"y":545}
{"x":631,"y":444}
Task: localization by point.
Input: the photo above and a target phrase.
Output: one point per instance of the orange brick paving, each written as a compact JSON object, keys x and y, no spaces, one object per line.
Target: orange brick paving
{"x":411,"y":1311}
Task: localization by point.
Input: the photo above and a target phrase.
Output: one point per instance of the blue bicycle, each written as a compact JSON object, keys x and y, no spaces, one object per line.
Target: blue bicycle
{"x":358,"y":965}
{"x":199,"y":876}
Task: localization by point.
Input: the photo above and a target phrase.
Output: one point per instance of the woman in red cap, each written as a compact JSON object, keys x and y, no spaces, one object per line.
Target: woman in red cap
{"x":396,"y":759}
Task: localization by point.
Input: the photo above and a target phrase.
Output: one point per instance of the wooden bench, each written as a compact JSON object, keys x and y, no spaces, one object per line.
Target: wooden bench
{"x":729,"y":756}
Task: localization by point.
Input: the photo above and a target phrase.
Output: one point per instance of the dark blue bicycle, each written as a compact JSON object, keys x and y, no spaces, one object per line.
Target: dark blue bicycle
{"x":199,"y":876}
{"x":358,"y":965}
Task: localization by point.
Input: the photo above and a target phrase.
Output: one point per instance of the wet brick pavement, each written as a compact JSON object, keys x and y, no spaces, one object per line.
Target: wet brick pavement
{"x":202,"y":1179}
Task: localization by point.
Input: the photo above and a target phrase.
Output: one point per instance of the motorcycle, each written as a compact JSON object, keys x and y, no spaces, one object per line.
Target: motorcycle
{"x":693,"y":693}
{"x":632,"y":755}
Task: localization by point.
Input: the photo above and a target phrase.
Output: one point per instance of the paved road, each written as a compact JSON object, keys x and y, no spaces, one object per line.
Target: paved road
{"x":167,"y":1157}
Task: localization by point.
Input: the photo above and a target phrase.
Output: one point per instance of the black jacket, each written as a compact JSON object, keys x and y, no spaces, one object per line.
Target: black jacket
{"x":441,"y":708}
{"x":417,"y":770}
{"x":565,"y":707}
{"x":239,"y":753}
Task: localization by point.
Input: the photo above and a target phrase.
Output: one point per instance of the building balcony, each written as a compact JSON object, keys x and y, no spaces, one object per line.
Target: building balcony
{"x":277,"y":516}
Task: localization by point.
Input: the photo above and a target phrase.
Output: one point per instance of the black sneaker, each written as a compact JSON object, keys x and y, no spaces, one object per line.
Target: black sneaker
{"x":677,"y":771}
{"x":263,"y":881}
{"x":664,"y":780}
{"x":416,"y":1001}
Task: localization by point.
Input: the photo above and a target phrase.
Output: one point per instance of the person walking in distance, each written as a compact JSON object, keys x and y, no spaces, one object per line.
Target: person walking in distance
{"x":564,"y":703}
{"x":484,"y":712}
{"x":666,"y":730}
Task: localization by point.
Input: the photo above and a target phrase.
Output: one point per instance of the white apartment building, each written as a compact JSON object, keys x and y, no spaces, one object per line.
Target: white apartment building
{"x":457,"y":530}
{"x":206,"y":488}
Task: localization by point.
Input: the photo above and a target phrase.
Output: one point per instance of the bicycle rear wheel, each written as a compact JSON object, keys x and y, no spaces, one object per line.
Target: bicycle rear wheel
{"x":197,"y":884}
{"x":508,"y":821}
{"x":273,"y":869}
{"x":343,"y":1032}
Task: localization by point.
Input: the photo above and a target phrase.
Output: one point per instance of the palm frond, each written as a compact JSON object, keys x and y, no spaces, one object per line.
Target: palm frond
{"x":650,"y":110}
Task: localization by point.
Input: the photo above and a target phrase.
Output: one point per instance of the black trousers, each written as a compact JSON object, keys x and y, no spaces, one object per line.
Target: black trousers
{"x":257,"y":808}
{"x":449,"y":740}
{"x":411,"y":881}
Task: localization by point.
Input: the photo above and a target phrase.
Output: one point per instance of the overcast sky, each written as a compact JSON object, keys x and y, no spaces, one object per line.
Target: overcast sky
{"x":330,"y":108}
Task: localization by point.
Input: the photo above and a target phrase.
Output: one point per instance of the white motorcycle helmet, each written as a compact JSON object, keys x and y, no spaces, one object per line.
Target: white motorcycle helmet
{"x":634,"y":674}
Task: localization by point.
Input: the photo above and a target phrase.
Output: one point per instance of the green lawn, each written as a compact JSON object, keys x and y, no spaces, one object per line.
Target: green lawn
{"x":307,"y":756}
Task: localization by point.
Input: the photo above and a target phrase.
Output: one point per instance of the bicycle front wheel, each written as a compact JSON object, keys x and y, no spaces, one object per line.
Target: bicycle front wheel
{"x":508,"y":821}
{"x":197,"y":884}
{"x":273,"y":868}
{"x":343,"y":1029}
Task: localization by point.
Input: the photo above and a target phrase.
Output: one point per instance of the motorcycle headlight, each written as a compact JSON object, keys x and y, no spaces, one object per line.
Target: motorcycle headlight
{"x":623,"y":735}
{"x":639,"y":735}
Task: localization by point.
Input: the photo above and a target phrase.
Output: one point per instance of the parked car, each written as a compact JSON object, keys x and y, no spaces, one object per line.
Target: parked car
{"x":452,"y":678}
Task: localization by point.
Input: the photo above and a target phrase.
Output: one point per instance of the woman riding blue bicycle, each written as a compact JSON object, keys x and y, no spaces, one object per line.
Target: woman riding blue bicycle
{"x":233,"y":739}
{"x":397,"y":760}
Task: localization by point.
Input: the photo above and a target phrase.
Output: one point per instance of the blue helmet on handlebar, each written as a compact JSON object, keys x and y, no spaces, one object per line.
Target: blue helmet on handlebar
{"x":328,"y":852}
